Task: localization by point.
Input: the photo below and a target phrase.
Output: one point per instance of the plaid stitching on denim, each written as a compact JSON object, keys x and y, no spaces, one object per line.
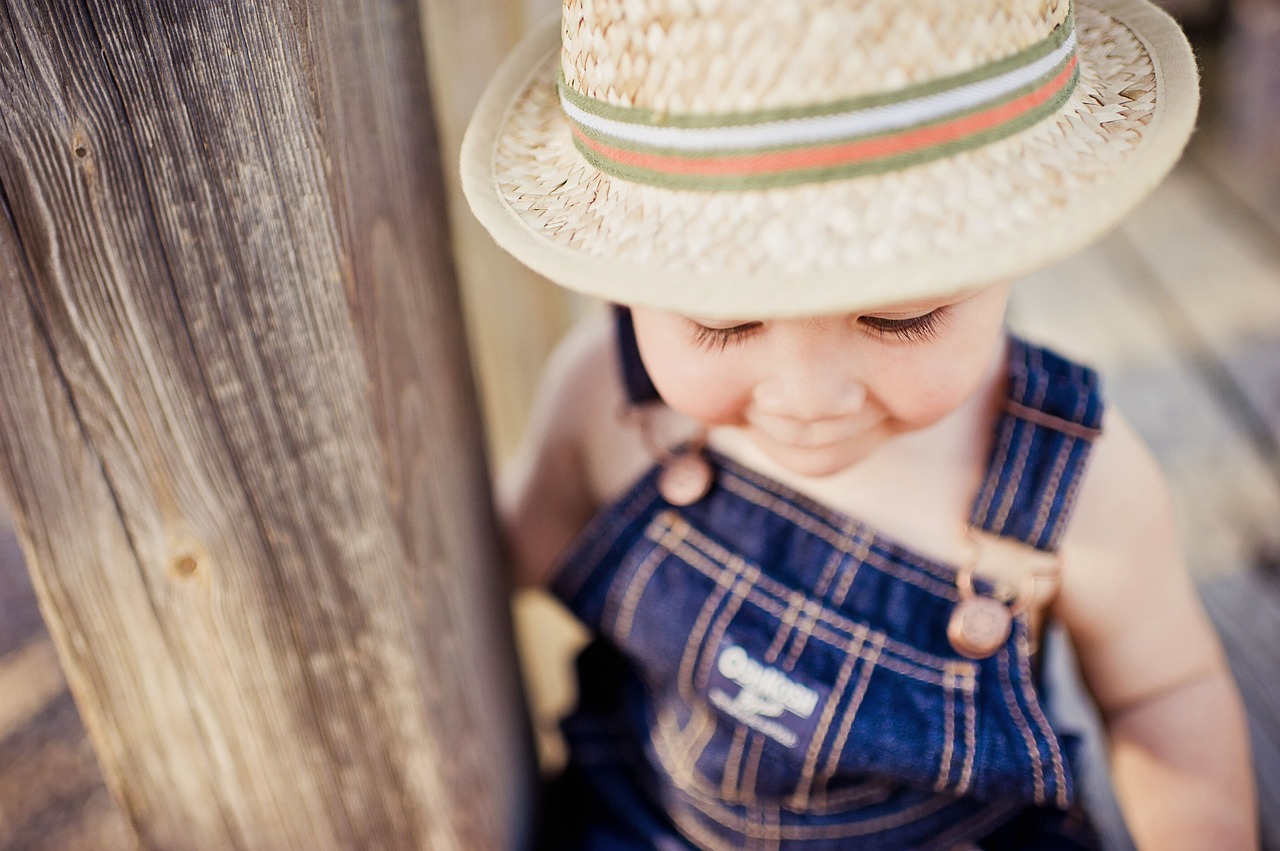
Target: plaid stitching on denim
{"x":722,"y":815}
{"x":903,"y":659}
{"x":949,"y":733}
{"x":705,"y":555}
{"x":1033,"y":507}
{"x":1038,"y":390}
{"x":847,"y":719}
{"x":860,"y":555}
{"x":1046,"y":732}
{"x":687,"y":553}
{"x":970,"y":740}
{"x":1017,"y":390}
{"x":741,"y":589}
{"x":585,"y":555}
{"x":731,"y":779}
{"x":1066,"y":452}
{"x":961,"y":689}
{"x":675,"y":745}
{"x":871,"y":791}
{"x":682,"y":747}
{"x":681,"y":770}
{"x":622,"y":615}
{"x":813,"y":610}
{"x":724,"y":582}
{"x":780,"y":601}
{"x":1028,"y":737}
{"x":800,"y":797}
{"x":772,"y":820}
{"x":796,"y":603}
{"x":900,"y":658}
{"x":937,"y":580}
{"x":800,"y":642}
{"x":750,"y":781}
{"x":1044,"y":513}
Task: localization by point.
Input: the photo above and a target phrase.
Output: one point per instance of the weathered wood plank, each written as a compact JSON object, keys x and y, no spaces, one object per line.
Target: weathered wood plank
{"x":1239,"y":140}
{"x":19,"y":618}
{"x":256,"y":522}
{"x":393,"y":173}
{"x":1099,"y":307}
{"x":41,"y":758}
{"x":51,"y":796}
{"x":30,"y":679}
{"x":1219,"y":284}
{"x":1246,"y":610}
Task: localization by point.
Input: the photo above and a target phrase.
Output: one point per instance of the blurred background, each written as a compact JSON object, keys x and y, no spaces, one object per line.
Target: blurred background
{"x":1179,"y":307}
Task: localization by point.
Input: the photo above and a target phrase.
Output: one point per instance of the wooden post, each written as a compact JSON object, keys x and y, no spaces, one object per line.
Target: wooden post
{"x":236,"y":424}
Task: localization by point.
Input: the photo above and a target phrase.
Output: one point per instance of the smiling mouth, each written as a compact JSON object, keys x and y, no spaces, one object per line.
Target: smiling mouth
{"x":805,"y":434}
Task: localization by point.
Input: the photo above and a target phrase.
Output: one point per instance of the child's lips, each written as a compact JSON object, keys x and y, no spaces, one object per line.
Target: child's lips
{"x":798,"y":433}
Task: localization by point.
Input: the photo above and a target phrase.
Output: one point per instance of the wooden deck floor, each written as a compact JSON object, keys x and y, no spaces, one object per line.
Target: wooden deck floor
{"x":1179,"y":307}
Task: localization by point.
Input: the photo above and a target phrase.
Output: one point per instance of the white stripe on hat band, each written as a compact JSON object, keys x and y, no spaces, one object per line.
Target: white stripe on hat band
{"x":822,"y":128}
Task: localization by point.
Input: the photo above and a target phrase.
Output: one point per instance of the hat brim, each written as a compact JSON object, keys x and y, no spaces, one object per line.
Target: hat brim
{"x":942,"y":227}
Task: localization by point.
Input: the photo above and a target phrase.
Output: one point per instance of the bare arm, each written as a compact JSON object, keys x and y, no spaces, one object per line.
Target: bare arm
{"x":543,"y":493}
{"x":1180,"y":757}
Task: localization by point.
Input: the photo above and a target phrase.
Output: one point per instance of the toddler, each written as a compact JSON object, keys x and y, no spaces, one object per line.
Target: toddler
{"x":813,"y":500}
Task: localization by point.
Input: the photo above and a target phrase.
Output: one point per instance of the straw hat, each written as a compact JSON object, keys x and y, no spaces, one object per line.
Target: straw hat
{"x":739,"y":158}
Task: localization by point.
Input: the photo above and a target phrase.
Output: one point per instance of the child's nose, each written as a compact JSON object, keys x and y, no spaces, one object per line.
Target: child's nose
{"x":818,"y":396}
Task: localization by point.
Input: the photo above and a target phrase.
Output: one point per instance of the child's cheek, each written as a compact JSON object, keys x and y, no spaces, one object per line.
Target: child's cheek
{"x":926,"y":396}
{"x":710,"y":395}
{"x":710,"y":386}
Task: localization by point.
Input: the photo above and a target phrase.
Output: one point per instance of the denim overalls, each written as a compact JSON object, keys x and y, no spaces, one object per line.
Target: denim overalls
{"x":771,"y":674}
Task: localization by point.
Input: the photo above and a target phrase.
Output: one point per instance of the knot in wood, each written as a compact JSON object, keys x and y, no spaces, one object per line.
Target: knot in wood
{"x":184,"y":567}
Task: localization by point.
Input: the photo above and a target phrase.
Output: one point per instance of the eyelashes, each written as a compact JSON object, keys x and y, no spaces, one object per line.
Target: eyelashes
{"x":915,"y":329}
{"x":719,"y":339}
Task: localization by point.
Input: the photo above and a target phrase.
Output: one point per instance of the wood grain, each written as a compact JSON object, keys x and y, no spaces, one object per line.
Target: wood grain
{"x":1246,"y":611}
{"x":1108,"y":308}
{"x":236,"y":429}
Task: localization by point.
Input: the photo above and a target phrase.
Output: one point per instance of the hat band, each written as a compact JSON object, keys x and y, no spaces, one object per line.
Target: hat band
{"x":867,"y":135}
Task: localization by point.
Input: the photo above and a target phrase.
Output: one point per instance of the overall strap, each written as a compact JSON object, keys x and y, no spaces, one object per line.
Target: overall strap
{"x":1042,"y":441}
{"x":635,"y":378}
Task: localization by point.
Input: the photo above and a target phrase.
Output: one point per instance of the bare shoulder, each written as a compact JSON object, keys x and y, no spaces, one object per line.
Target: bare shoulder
{"x":1126,"y":597}
{"x":577,"y":451}
{"x":1124,"y":492}
{"x":580,"y":381}
{"x":543,"y":492}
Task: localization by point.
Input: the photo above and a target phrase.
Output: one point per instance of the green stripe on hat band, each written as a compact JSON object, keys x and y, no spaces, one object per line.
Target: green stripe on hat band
{"x":716,"y":173}
{"x":639,"y":116}
{"x":717,"y":153}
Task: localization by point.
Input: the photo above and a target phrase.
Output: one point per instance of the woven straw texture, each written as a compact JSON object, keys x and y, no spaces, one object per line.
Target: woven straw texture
{"x":967,"y":220}
{"x":747,"y":55}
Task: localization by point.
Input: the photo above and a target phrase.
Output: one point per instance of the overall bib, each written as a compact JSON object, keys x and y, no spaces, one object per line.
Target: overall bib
{"x":772,"y":674}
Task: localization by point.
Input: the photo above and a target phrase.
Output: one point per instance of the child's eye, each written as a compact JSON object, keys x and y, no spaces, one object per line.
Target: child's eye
{"x":912,"y":329}
{"x":717,"y":339}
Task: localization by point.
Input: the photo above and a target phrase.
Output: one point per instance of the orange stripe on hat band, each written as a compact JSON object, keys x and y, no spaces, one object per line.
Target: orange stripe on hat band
{"x":892,"y":145}
{"x":804,"y":143}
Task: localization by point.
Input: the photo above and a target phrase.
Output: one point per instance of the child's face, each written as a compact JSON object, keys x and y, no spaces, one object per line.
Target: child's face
{"x":820,"y":394}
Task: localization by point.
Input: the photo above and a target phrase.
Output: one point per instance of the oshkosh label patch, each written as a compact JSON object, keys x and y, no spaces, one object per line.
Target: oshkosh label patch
{"x":762,"y":697}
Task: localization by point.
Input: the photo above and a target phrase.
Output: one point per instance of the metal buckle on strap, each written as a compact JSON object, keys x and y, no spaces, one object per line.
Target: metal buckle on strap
{"x":980,"y":624}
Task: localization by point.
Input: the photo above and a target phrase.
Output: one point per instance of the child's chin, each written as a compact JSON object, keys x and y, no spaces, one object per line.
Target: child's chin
{"x":816,"y":463}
